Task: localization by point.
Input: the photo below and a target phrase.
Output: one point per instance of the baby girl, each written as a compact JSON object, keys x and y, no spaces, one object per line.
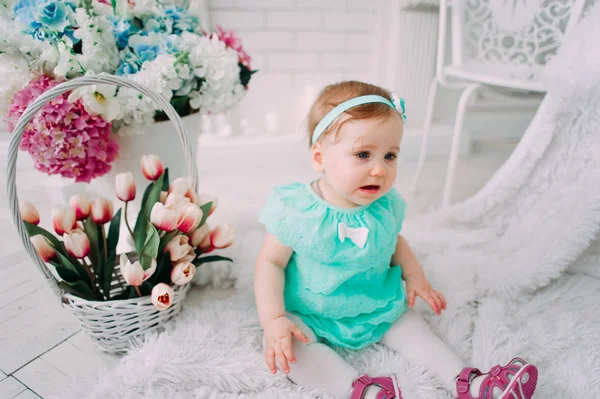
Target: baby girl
{"x":334,"y":271}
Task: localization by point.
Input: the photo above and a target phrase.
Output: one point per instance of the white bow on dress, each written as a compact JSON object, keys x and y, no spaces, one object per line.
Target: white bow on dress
{"x":358,"y":235}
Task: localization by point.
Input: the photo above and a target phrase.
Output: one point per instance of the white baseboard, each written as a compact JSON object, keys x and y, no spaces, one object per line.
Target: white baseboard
{"x":439,"y":144}
{"x":440,"y":141}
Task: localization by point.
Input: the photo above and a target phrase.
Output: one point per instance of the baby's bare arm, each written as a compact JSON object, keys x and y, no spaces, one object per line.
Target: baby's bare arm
{"x":269,"y":281}
{"x":269,"y":278}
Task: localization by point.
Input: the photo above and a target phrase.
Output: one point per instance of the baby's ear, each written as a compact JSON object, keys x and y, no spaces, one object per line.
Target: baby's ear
{"x":316,"y":157}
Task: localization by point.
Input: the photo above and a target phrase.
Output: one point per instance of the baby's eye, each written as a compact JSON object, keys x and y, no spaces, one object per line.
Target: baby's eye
{"x":363,"y":154}
{"x":391,"y":156}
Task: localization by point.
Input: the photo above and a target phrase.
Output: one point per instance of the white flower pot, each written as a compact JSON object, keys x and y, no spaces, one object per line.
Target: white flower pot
{"x":158,"y":138}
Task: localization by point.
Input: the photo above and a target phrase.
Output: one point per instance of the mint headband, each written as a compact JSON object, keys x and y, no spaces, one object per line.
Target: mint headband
{"x":396,"y":103}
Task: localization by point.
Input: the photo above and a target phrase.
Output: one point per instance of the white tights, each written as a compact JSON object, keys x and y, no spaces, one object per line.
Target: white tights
{"x":319,"y":367}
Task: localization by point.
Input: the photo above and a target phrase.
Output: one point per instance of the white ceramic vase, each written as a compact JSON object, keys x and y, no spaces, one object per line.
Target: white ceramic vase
{"x":158,"y":138}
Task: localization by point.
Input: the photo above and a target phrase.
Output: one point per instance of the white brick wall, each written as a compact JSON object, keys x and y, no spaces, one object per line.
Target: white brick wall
{"x":298,"y":46}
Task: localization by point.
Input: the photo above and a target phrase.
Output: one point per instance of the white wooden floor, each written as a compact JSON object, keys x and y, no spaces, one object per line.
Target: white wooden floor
{"x":41,"y":344}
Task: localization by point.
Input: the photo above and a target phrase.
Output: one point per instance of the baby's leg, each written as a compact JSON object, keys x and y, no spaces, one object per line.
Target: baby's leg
{"x":318,"y":366}
{"x":412,"y":336}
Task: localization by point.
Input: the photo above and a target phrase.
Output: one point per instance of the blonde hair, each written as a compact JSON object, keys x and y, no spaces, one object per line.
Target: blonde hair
{"x":335,"y":94}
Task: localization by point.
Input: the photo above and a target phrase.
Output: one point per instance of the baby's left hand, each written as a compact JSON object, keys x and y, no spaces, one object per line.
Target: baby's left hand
{"x":418,"y":285}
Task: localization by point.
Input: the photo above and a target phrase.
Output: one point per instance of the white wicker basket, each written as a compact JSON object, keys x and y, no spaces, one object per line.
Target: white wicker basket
{"x":111,"y":325}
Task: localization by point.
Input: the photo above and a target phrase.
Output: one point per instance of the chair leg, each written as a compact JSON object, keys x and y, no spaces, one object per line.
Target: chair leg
{"x":433,"y":88}
{"x":458,"y":129}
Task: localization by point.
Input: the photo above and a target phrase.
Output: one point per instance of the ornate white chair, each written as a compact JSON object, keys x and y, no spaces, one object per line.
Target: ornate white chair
{"x":495,"y":43}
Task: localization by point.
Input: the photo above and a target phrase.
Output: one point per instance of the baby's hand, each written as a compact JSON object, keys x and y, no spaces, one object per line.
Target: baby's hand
{"x":417,"y":285}
{"x":278,"y":343}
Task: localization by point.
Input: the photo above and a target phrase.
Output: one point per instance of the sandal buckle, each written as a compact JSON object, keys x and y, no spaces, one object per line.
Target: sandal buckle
{"x":462,"y":386}
{"x":495,"y":371}
{"x":365,"y":379}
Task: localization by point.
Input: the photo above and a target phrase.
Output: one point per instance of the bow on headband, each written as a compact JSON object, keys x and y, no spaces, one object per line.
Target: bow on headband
{"x":357,"y":235}
{"x":399,"y":105}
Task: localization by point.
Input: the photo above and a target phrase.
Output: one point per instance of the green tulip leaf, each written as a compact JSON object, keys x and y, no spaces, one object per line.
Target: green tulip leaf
{"x":166,"y":238}
{"x":163,"y":270}
{"x":150,"y":249}
{"x":64,"y":273}
{"x":94,"y":234}
{"x":165,"y":184}
{"x":151,"y":197}
{"x":212,"y":258}
{"x":79,"y":289}
{"x":205,"y":209}
{"x":69,"y":265}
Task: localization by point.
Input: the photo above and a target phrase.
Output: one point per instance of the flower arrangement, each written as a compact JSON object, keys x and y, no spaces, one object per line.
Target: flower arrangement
{"x":158,"y":43}
{"x":171,"y":239}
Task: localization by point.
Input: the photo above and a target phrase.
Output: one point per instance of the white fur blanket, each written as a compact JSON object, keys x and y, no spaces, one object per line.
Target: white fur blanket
{"x":517,"y":262}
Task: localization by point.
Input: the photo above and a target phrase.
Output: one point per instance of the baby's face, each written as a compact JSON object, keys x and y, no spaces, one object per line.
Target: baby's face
{"x":360,"y":163}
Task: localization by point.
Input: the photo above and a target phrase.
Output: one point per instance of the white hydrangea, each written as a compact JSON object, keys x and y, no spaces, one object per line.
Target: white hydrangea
{"x":99,"y":50}
{"x":98,"y":99}
{"x":67,"y":65}
{"x":13,"y":40}
{"x":17,"y":68}
{"x":218,"y":65}
{"x":162,"y":75}
{"x":146,"y":8}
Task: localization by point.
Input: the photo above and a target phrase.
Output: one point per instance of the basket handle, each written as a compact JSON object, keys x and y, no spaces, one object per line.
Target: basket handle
{"x":30,"y":112}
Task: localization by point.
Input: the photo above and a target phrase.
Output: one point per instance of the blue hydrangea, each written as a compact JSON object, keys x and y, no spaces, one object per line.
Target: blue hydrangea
{"x":122,"y":29}
{"x":158,"y":24}
{"x":130,"y":63}
{"x":148,"y":47}
{"x":46,"y":19}
{"x":183,"y":21}
{"x":24,"y":11}
{"x":54,"y":15}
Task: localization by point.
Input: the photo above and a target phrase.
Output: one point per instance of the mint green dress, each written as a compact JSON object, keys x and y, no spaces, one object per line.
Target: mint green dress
{"x":347,"y":294}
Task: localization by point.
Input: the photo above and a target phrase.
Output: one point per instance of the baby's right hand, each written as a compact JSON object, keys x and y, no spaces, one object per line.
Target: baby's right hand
{"x":278,"y":342}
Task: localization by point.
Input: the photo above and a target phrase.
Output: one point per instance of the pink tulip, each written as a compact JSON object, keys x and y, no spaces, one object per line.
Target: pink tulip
{"x":205,"y":198}
{"x":222,"y":236}
{"x":164,"y":217}
{"x":199,"y":235}
{"x":63,"y":220}
{"x":176,"y":201}
{"x":77,"y":243}
{"x":178,"y":247}
{"x":205,"y":246}
{"x":81,"y":205}
{"x":182,"y":186}
{"x":102,"y":210}
{"x":42,"y":247}
{"x":163,"y":196}
{"x":191,"y":216}
{"x":133,"y":273}
{"x":162,"y":296}
{"x":190,"y":256}
{"x":29,"y":213}
{"x":183,"y":272}
{"x":125,"y":186}
{"x":152,"y":167}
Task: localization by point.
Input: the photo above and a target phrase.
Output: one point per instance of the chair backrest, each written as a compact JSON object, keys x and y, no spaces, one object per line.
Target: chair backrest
{"x":513,"y":39}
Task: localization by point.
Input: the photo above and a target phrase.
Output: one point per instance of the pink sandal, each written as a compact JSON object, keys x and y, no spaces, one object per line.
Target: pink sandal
{"x":389,"y":387}
{"x":521,"y":386}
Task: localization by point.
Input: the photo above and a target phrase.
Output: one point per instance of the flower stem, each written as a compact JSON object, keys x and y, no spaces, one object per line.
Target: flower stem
{"x":127,"y":223}
{"x":138,"y":291}
{"x":105,"y":245}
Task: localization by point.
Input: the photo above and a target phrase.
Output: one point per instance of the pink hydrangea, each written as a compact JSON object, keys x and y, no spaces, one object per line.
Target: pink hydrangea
{"x":231,"y":40}
{"x":63,"y":138}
